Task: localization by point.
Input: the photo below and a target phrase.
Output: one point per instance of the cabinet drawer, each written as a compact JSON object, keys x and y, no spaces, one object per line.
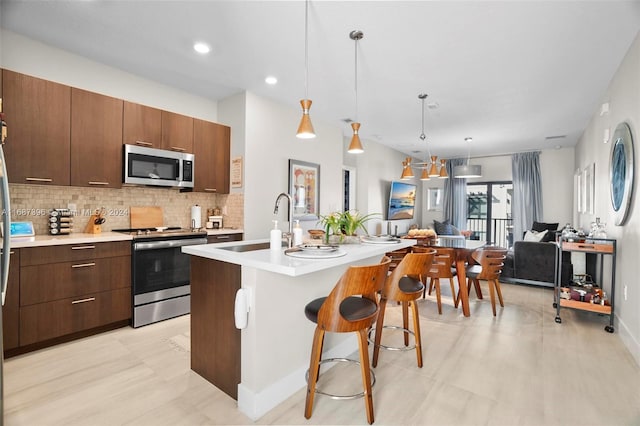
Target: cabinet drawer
{"x":54,"y":281}
{"x":223,"y":238}
{"x":73,"y":252}
{"x":54,"y":319}
{"x":588,"y":247}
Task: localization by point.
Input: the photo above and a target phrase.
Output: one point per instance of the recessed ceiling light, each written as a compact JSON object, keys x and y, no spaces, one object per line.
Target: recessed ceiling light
{"x":271,"y":80}
{"x":202,"y":48}
{"x":468,"y":139}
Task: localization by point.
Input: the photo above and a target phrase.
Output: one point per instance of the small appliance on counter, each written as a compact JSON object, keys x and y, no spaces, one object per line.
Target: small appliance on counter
{"x":215,"y":221}
{"x":60,"y":222}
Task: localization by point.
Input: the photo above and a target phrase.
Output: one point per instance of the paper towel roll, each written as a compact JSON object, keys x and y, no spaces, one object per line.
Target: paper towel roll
{"x":196,"y":216}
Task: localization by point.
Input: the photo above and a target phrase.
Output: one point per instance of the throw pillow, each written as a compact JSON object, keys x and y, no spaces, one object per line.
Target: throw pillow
{"x":534,"y":235}
{"x":541,"y":226}
{"x":443,"y":228}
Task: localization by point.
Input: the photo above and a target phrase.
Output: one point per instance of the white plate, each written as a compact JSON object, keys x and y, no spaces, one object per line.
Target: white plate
{"x":302,"y":254}
{"x":379,"y":239}
{"x":317,"y":248}
{"x":161,"y":228}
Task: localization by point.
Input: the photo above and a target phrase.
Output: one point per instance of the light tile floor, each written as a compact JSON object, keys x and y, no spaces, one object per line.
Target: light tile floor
{"x":519,"y":368}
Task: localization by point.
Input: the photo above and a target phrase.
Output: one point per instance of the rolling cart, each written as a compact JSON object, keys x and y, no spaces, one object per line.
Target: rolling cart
{"x":588,"y":296}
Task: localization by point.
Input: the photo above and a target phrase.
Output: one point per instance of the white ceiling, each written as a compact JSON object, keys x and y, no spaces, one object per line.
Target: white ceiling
{"x":507,"y":73}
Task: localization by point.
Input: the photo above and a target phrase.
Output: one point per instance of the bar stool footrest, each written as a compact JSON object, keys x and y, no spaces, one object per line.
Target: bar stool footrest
{"x":393,"y":348}
{"x":341,"y":397}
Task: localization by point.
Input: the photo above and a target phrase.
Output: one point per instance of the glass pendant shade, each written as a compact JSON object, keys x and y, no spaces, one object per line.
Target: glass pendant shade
{"x":305,"y":129}
{"x":467,"y":171}
{"x":355,"y":147}
{"x":424,"y":175}
{"x":443,"y":169}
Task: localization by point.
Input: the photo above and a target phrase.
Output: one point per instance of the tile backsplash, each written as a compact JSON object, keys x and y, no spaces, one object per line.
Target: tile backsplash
{"x":33,"y":203}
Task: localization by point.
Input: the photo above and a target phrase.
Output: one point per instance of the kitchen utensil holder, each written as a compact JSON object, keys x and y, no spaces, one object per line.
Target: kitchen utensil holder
{"x":92,"y":227}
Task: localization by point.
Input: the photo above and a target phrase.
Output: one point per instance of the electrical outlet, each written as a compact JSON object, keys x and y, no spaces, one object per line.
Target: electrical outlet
{"x":624,"y":292}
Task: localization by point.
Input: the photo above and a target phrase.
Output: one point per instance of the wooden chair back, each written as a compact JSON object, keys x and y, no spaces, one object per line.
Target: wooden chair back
{"x":443,"y":260}
{"x":491,"y":260}
{"x":365,"y":281}
{"x":413,"y":265}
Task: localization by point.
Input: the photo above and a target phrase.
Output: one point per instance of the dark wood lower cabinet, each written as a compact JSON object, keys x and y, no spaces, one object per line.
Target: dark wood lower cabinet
{"x":215,"y":341}
{"x":49,"y":320}
{"x":11,"y":308}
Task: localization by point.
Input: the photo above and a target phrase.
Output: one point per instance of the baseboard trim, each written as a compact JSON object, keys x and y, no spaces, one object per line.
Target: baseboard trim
{"x":256,"y":404}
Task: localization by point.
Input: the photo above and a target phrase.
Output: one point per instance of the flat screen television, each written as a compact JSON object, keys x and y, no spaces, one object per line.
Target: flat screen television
{"x":402,"y":201}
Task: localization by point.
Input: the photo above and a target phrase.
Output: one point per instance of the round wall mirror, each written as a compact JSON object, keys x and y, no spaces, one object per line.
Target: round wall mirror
{"x":621,"y":173}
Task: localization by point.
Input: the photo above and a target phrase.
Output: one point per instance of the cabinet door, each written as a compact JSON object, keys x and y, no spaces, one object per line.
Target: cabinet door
{"x":211,"y":147}
{"x":54,"y":281}
{"x":38,"y":114}
{"x":142,"y":125}
{"x":96,"y":140}
{"x":223,"y":238}
{"x":11,"y":308}
{"x":177,"y":132}
{"x":45,"y":321}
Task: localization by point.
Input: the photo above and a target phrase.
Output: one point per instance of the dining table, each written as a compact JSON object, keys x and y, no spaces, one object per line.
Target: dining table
{"x":463,"y":248}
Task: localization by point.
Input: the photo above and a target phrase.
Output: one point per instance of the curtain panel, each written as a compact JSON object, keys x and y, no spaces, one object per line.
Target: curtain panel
{"x":527,"y":191}
{"x":454,"y":199}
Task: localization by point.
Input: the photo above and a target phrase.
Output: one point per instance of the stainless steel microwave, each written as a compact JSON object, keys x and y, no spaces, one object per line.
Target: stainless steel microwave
{"x":157,"y":167}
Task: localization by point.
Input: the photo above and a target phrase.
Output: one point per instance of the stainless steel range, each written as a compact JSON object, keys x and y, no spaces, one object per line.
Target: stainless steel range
{"x":161,"y":272}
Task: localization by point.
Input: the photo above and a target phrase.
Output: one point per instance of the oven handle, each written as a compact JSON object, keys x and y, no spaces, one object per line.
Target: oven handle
{"x":155,"y":245}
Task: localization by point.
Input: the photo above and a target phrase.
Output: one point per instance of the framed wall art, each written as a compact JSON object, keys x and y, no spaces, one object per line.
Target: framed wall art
{"x":621,"y":173}
{"x":304,"y":187}
{"x":434,"y":199}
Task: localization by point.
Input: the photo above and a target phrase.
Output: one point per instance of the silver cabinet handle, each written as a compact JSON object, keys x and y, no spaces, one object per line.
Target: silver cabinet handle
{"x":223,"y":237}
{"x":88,"y":299}
{"x":83,"y":265}
{"x":143,"y":143}
{"x":98,"y":183}
{"x":211,"y":189}
{"x":177,"y":148}
{"x":35,"y":179}
{"x":82,"y":247}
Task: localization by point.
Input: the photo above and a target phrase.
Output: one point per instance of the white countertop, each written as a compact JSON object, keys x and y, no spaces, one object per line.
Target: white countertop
{"x":82,"y":238}
{"x":74,"y":238}
{"x":276,"y":261}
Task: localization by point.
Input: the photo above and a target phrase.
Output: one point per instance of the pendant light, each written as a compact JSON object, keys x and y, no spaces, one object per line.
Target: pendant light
{"x":407,"y":173}
{"x":355,"y":147}
{"x":305,"y":129}
{"x":429,"y":167}
{"x":468,"y":170}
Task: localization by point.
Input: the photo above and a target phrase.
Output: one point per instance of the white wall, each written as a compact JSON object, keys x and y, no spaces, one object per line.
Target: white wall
{"x":623,"y":96}
{"x":376,"y":168}
{"x":269,"y":143}
{"x":36,"y":59}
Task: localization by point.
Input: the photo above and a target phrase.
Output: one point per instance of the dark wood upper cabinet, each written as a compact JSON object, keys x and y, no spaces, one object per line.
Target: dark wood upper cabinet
{"x":38,"y":116}
{"x":96,"y":140}
{"x":142,"y":125}
{"x":211,"y":147}
{"x":177,"y":132}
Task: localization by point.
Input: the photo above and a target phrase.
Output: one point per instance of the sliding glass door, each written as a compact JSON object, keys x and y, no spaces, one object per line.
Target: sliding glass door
{"x":489,"y":212}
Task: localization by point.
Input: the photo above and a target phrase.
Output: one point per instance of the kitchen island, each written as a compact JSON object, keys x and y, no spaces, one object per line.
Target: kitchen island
{"x":264,"y":363}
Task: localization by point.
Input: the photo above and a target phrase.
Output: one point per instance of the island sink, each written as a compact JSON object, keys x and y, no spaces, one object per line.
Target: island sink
{"x":247,"y":247}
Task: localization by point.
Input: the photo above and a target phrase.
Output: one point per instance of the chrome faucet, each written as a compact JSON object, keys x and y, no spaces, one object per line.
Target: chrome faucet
{"x":287,"y":235}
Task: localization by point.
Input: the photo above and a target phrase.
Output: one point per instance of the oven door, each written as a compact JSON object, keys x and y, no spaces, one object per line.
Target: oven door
{"x":161,"y":274}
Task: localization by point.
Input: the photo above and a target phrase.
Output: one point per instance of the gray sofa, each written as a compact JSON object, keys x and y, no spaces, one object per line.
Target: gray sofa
{"x":532,"y":262}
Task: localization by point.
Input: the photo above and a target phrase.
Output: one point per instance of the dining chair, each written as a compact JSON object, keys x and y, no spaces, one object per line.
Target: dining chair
{"x":490,"y":262}
{"x":442,"y":268}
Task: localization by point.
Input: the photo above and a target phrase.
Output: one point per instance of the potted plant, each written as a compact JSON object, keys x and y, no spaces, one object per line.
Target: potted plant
{"x":344,"y":224}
